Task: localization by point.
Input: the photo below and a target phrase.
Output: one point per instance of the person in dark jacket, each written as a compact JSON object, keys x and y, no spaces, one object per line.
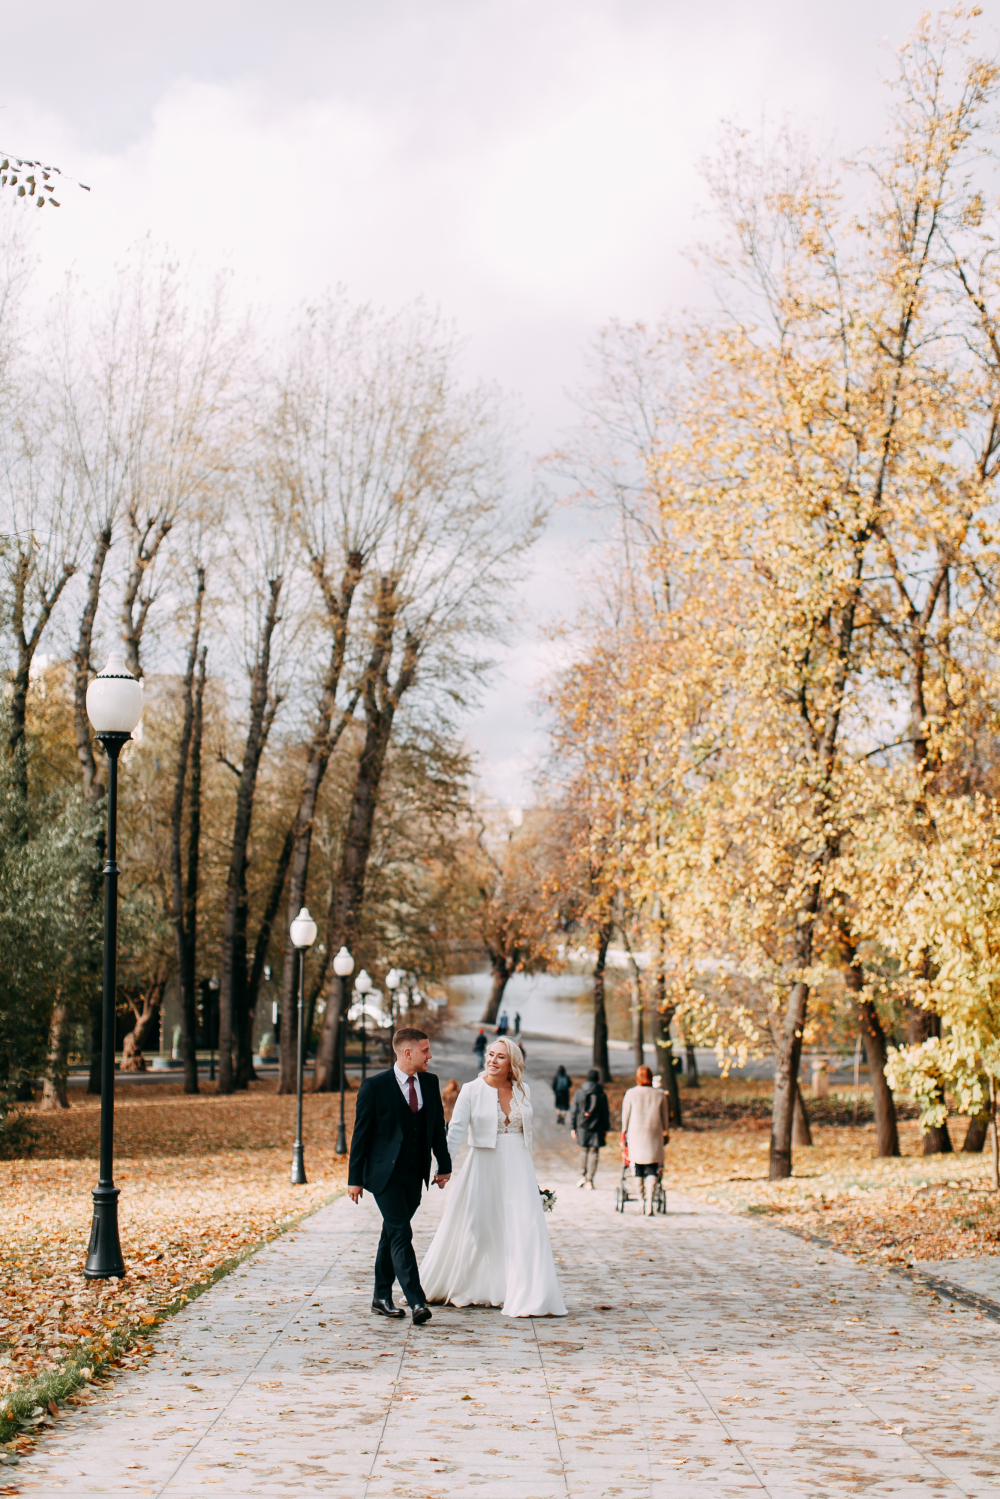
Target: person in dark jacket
{"x":479,"y":1046}
{"x":560,"y":1088}
{"x":398,"y":1124}
{"x":590,"y":1121}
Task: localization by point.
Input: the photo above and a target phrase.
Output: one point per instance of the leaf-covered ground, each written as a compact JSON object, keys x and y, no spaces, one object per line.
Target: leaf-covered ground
{"x":916,"y":1207}
{"x":205,"y":1179}
{"x":202,"y":1181}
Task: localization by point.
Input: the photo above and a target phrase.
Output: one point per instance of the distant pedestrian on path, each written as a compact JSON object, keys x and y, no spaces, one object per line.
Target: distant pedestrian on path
{"x":645,"y":1130}
{"x":479,"y":1046}
{"x":503,"y":1024}
{"x":517,"y":1025}
{"x":560,"y":1089}
{"x":590,"y":1121}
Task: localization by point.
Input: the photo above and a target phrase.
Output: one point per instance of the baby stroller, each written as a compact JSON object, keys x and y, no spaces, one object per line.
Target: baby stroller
{"x":630,"y":1190}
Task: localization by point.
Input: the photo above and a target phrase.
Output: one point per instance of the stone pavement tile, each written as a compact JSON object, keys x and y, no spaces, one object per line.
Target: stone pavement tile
{"x":980,"y":1274}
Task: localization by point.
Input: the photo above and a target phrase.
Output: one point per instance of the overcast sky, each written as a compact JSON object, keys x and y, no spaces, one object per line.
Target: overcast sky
{"x":531,"y":168}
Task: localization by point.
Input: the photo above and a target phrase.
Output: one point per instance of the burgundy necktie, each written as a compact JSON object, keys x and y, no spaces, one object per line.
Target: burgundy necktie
{"x":413,"y":1096}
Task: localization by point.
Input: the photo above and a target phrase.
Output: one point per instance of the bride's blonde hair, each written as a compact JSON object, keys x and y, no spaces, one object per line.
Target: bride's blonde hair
{"x":516,"y":1058}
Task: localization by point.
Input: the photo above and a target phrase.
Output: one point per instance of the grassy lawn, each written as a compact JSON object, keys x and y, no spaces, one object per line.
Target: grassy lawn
{"x":203,"y":1181}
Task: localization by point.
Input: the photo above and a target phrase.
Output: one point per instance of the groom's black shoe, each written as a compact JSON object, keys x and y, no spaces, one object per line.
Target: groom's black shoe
{"x":421,"y":1313}
{"x":385,"y":1307}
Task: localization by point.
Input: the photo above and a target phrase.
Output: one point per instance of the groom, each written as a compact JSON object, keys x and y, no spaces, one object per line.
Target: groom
{"x":398,"y":1121}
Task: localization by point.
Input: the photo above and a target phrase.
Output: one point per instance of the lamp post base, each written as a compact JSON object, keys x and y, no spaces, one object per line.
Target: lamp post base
{"x":341,"y":1139}
{"x":104,"y":1254}
{"x":298,"y":1177}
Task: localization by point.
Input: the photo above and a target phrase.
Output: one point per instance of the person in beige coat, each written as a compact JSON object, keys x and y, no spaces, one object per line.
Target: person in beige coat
{"x":645,"y":1131}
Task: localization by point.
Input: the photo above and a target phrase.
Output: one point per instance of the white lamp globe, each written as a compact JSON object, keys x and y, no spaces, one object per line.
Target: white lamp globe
{"x":363,"y":983}
{"x":343,"y":964}
{"x":393,"y":979}
{"x":114,"y":698}
{"x":303,"y":930}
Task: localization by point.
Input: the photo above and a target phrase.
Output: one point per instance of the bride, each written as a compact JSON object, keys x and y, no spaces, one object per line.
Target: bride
{"x":492,"y":1245}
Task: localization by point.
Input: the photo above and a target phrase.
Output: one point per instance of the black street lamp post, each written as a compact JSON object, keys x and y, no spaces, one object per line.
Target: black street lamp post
{"x":343,"y":967}
{"x":114,"y":706}
{"x":303,"y":931}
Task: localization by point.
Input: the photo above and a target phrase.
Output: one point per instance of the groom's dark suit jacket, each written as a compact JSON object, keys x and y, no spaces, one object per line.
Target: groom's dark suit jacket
{"x":382,"y":1116}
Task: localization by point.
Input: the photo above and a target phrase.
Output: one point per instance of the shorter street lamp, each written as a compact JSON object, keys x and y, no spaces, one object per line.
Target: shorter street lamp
{"x":303,"y":932}
{"x":213,"y":989}
{"x":363,"y":986}
{"x":343,"y":967}
{"x":114,"y":707}
{"x":393,"y":979}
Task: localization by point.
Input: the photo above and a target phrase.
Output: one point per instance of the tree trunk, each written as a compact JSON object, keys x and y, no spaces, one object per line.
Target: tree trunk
{"x":184,"y":901}
{"x":786,"y":1075}
{"x":235,"y":1049}
{"x":132,"y":1057}
{"x":312,"y":997}
{"x":665,"y":1054}
{"x":599,"y":1056}
{"x":27,"y":645}
{"x":82,"y":667}
{"x":937,"y":1140}
{"x":873,"y":1039}
{"x":146,"y":1018}
{"x":324,"y":741}
{"x":921,"y":1025}
{"x":638,"y":1036}
{"x":801,"y":1133}
{"x":188,"y":975}
{"x":690,"y":1067}
{"x":54,"y":1094}
{"x":147,"y":538}
{"x":326,"y":1072}
{"x":786,"y":1071}
{"x":381,"y":699}
{"x":92,"y":788}
{"x":233,"y":974}
{"x":245,"y":1069}
{"x":501,"y":975}
{"x":975,"y":1135}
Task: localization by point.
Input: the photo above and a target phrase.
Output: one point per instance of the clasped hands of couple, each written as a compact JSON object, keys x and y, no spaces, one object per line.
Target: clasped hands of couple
{"x":496,"y":1072}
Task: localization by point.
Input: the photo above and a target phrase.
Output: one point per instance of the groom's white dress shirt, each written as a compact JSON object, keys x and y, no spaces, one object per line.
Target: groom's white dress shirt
{"x":403,"y":1079}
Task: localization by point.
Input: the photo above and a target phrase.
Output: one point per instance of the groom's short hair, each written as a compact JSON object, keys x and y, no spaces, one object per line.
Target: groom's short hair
{"x":407,"y":1034}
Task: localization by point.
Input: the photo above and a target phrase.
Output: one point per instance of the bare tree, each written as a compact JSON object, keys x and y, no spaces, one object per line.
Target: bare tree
{"x":39,"y":560}
{"x":359,"y":399}
{"x":438,"y":582}
{"x":259,"y":568}
{"x":102,"y":384}
{"x":187,"y":785}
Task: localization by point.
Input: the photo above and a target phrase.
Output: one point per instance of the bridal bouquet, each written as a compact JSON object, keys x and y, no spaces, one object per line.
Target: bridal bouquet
{"x":548,"y":1199}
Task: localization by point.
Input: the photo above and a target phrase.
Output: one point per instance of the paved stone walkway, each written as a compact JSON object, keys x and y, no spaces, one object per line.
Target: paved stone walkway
{"x":702,"y":1354}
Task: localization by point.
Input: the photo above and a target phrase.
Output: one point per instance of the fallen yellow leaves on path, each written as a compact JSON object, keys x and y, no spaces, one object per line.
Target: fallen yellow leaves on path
{"x":911,"y":1208}
{"x":203,"y":1180}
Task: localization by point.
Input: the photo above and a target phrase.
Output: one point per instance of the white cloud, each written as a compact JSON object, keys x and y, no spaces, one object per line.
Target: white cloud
{"x":531,"y":168}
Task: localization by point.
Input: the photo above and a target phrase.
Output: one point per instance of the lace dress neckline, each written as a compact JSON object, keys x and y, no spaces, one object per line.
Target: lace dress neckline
{"x":514,"y":1124}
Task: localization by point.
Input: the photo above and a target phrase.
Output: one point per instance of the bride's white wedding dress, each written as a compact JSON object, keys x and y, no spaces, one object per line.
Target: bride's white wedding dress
{"x":492,"y":1245}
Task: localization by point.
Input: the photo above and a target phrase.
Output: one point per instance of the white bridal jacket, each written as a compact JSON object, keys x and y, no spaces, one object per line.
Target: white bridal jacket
{"x":476,"y":1119}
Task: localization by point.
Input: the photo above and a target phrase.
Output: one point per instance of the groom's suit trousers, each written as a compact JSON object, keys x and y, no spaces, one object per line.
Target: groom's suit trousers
{"x":395,"y":1259}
